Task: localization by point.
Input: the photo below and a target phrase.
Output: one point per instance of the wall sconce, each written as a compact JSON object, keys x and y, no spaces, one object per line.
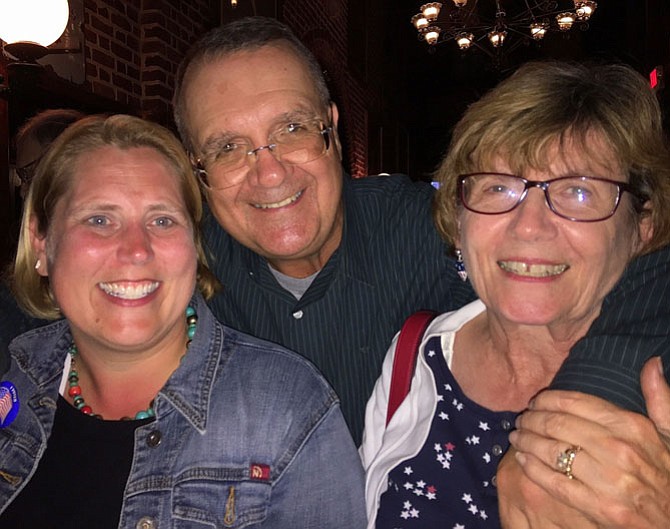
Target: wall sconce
{"x":29,"y":26}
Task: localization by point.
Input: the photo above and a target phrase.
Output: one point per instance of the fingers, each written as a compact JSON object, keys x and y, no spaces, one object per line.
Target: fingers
{"x":615,"y":504}
{"x":561,"y":429}
{"x":572,"y":492}
{"x":609,"y":450}
{"x":577,"y":418}
{"x":575,"y":403}
{"x":622,"y":469}
{"x":561,"y":458}
{"x":525,"y":505}
{"x":580,"y":503}
{"x":657,"y":396}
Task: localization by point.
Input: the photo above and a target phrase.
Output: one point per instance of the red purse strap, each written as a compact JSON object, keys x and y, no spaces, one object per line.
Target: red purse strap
{"x":406,"y":351}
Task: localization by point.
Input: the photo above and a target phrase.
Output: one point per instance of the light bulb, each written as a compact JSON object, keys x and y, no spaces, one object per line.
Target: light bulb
{"x":40,"y":21}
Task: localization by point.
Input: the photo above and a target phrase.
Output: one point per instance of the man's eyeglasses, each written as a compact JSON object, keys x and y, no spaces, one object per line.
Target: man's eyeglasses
{"x":294,"y":143}
{"x":576,"y":198}
{"x":27,"y":172}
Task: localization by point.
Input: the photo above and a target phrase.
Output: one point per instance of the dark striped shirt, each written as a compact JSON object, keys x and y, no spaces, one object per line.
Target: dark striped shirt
{"x":391,"y":262}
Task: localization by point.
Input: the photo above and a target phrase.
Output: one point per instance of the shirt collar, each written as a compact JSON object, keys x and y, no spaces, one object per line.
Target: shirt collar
{"x":189,"y":388}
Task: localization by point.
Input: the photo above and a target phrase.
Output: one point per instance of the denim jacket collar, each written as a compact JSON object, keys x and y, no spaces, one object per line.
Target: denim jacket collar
{"x":199,"y":364}
{"x":179,"y":392}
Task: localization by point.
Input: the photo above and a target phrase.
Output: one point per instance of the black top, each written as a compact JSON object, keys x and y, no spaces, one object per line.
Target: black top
{"x":81,"y":476}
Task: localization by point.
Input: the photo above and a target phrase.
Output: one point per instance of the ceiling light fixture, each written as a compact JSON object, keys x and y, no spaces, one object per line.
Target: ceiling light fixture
{"x":504,"y":24}
{"x":28,"y":36}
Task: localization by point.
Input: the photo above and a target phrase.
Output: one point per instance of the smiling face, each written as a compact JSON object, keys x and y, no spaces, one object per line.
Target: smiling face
{"x":532,"y":267}
{"x":289,"y":214}
{"x":119,"y":251}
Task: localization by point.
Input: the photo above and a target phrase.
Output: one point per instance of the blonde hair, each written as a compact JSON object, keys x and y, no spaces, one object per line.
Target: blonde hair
{"x":547,"y":102}
{"x":53,"y":178}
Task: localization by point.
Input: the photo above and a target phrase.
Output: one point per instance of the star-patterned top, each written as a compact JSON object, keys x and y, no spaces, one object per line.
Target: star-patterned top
{"x":450,"y":483}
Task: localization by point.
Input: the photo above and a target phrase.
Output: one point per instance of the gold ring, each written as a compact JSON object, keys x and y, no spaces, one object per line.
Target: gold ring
{"x":565,"y":460}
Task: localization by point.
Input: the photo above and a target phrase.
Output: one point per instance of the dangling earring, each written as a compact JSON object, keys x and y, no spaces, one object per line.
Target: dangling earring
{"x":460,"y":266}
{"x":38,"y":264}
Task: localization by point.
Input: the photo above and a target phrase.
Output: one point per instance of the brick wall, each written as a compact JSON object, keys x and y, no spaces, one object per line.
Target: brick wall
{"x":133,"y":48}
{"x":323,"y":26}
{"x":112,"y":51}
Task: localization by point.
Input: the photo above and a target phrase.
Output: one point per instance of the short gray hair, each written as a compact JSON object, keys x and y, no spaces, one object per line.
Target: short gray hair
{"x":245,"y":34}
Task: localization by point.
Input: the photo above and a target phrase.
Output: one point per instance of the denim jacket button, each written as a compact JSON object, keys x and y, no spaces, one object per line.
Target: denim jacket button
{"x":153,"y":440}
{"x":146,"y":523}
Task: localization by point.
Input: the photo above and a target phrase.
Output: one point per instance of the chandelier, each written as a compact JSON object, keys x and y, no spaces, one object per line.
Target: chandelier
{"x":497,"y":26}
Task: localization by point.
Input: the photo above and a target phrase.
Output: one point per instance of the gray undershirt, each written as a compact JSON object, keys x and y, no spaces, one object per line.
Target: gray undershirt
{"x":295,"y":285}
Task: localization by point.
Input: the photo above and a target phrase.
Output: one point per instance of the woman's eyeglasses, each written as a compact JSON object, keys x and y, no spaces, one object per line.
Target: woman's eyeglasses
{"x":27,"y":172}
{"x":576,"y":198}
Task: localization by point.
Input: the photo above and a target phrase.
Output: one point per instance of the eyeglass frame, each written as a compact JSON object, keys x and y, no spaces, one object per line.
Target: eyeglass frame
{"x":26,"y":172}
{"x":201,"y":171}
{"x":544,"y":186}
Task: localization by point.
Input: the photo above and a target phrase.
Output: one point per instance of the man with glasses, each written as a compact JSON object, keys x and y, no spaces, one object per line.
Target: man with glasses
{"x":324,"y":264}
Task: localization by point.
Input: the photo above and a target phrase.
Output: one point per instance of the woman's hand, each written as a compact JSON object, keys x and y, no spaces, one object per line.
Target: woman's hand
{"x":621,"y":472}
{"x":525,"y":505}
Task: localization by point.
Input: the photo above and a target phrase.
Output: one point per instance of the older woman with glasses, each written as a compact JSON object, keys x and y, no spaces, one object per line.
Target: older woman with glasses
{"x":553,"y":183}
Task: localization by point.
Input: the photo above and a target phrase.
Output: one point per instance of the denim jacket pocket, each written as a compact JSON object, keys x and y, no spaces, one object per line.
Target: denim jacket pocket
{"x":220,"y":498}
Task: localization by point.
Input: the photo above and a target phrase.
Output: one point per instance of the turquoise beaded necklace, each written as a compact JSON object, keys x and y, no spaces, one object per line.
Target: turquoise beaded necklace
{"x":74,"y":390}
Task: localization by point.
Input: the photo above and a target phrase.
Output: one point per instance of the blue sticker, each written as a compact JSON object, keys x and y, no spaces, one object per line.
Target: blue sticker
{"x":9,"y":403}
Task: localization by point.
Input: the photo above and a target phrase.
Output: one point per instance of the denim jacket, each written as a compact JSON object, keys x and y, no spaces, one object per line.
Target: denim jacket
{"x":247,"y":434}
